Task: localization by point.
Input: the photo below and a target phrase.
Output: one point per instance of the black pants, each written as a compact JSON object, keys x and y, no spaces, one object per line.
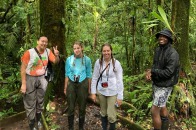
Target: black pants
{"x":77,"y":92}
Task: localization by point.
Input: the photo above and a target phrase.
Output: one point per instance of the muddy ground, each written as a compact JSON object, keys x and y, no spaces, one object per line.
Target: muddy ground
{"x":56,"y":119}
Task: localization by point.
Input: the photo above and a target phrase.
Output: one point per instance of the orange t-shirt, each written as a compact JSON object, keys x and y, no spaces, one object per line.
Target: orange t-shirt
{"x":36,"y":66}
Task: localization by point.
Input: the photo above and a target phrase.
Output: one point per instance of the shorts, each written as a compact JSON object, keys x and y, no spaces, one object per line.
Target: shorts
{"x":160,"y":95}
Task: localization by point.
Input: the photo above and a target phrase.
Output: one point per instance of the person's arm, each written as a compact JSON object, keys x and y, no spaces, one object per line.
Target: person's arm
{"x":89,"y":85}
{"x":95,"y":77}
{"x":172,"y":63}
{"x":120,"y":86}
{"x":67,"y":73}
{"x":24,"y":62}
{"x":23,"y":77}
{"x":88,"y":72}
{"x":57,"y":59}
{"x":65,"y":86}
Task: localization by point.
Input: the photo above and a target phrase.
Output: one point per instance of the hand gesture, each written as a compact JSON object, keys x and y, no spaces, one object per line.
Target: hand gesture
{"x":56,"y":52}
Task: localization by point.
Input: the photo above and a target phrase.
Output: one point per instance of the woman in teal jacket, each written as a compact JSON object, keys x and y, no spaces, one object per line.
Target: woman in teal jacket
{"x":78,"y":73}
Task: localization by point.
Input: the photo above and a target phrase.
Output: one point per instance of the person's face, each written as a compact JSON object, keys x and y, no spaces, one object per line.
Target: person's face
{"x":77,"y":50}
{"x":162,"y":40}
{"x":106,"y":52}
{"x":42,"y":43}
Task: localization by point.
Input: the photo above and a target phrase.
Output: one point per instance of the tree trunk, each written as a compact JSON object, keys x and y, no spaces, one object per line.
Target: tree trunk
{"x":127,"y":51}
{"x":51,"y":14}
{"x":180,"y":16}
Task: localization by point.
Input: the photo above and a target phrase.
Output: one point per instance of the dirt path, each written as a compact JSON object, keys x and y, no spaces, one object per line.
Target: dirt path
{"x":92,"y":121}
{"x":57,"y":119}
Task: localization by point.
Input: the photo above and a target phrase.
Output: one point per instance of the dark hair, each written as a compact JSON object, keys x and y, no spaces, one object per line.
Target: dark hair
{"x":40,"y":37}
{"x":81,"y":45}
{"x":101,"y":59}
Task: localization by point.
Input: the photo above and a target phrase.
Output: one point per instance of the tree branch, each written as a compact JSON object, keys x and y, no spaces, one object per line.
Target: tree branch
{"x":7,"y":11}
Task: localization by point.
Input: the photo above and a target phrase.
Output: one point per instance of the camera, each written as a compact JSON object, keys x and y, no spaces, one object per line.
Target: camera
{"x":104,"y":84}
{"x":76,"y":78}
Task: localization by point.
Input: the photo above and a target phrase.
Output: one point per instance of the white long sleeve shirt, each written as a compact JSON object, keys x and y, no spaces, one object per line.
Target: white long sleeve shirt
{"x":114,"y":78}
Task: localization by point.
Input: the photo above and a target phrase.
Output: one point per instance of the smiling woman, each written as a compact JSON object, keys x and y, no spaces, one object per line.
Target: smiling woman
{"x":42,"y":43}
{"x":34,"y":83}
{"x":107,"y":83}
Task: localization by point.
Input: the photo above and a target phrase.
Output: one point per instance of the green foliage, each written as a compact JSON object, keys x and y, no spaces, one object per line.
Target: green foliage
{"x":49,"y":95}
{"x":138,"y":93}
{"x":162,"y":17}
{"x":190,"y":123}
{"x":5,"y":113}
{"x":114,"y":20}
{"x":55,"y":127}
{"x":4,"y":93}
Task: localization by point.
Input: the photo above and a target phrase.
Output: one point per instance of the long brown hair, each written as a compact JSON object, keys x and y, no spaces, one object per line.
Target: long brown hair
{"x":101,"y":59}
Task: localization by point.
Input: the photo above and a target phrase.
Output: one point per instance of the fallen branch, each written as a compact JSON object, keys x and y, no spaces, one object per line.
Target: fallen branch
{"x":131,"y":124}
{"x":44,"y":123}
{"x":128,"y":105}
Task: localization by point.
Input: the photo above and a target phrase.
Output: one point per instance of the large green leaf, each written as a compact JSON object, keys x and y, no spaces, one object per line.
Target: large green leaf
{"x":164,"y":17}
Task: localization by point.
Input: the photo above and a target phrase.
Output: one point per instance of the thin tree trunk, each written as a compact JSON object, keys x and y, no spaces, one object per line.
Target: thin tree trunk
{"x":133,"y":24}
{"x":28,"y":29}
{"x":126,"y":45}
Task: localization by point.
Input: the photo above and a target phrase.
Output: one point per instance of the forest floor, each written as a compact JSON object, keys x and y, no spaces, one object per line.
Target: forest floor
{"x":56,"y":118}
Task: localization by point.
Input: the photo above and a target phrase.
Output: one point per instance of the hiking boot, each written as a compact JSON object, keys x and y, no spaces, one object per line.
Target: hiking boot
{"x":112,"y":126}
{"x":71,"y":122}
{"x":165,"y":123}
{"x":32,"y":124}
{"x":104,"y":122}
{"x":81,"y":123}
{"x":39,"y":125}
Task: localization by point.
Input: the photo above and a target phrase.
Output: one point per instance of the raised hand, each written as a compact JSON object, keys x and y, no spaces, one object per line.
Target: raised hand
{"x":56,"y":52}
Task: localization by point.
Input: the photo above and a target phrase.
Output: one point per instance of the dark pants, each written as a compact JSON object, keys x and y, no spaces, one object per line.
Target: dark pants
{"x":77,"y":92}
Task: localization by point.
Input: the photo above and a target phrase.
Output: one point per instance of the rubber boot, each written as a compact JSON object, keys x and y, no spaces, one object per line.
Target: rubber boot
{"x":71,"y":122}
{"x":32,"y":124}
{"x":39,"y":123}
{"x":104,"y":121}
{"x":81,"y":123}
{"x":112,"y":126}
{"x":165,"y":123}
